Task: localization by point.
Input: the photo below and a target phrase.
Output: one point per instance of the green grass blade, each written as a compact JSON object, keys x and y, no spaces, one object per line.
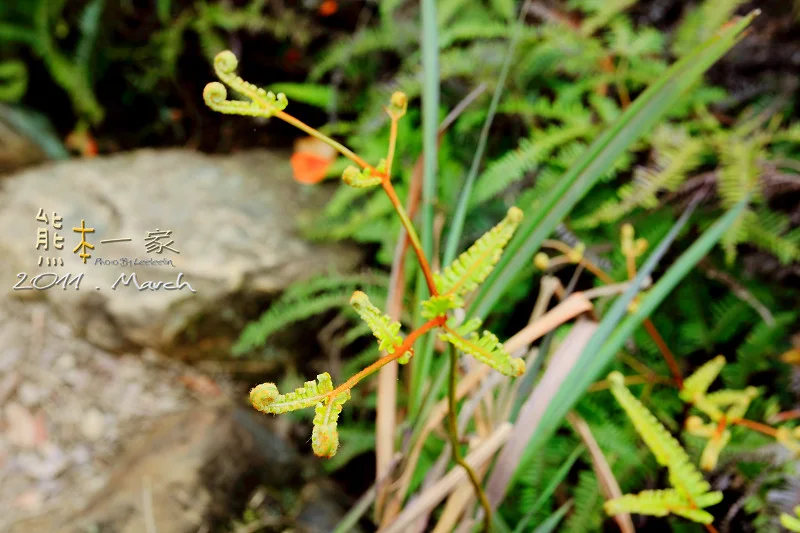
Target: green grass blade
{"x":430,"y":126}
{"x":611,"y":334}
{"x":430,"y":120}
{"x":551,"y":487}
{"x":641,"y":116}
{"x":498,"y":525}
{"x":554,"y":519}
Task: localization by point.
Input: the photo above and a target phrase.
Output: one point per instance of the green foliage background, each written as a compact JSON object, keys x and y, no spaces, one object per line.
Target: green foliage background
{"x":572,"y":76}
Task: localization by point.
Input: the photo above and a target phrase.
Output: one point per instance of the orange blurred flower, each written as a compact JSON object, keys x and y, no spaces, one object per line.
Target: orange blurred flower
{"x":311,"y":160}
{"x":328,"y":8}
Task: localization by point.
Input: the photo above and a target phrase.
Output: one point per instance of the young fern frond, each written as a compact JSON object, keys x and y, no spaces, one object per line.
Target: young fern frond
{"x":470,"y":269}
{"x":717,"y":440}
{"x":362,"y":179}
{"x":262,"y":103}
{"x":440,"y":305}
{"x":662,"y":503}
{"x":324,"y":436}
{"x":737,"y":401}
{"x":473,"y":266}
{"x":383,"y":327}
{"x":487,"y":349}
{"x":713,"y":405}
{"x":701,"y":379}
{"x":686,"y":479}
{"x":267,"y":399}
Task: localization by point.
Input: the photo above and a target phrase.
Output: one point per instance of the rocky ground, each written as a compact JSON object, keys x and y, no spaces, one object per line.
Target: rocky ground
{"x":110,"y":418}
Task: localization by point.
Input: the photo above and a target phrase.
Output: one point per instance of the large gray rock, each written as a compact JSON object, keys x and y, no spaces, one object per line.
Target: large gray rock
{"x":232,"y":221}
{"x":88,"y":438}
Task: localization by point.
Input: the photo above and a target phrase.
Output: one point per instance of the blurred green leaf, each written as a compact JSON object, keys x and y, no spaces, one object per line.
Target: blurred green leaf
{"x":642,"y":115}
{"x":13,"y":80}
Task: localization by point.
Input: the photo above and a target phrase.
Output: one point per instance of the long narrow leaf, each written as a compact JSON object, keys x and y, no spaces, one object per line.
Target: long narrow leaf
{"x":430,"y":123}
{"x":554,"y":519}
{"x":551,"y":487}
{"x":564,"y":361}
{"x":640,"y":117}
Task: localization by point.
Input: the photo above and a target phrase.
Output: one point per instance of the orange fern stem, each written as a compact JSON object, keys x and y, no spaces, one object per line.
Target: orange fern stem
{"x":665,"y":351}
{"x":385,"y":360}
{"x":630,"y":262}
{"x":787,"y":415}
{"x":392,"y":144}
{"x":721,"y":425}
{"x":756,"y":426}
{"x":385,"y":181}
{"x":342,"y":149}
{"x":412,"y":234}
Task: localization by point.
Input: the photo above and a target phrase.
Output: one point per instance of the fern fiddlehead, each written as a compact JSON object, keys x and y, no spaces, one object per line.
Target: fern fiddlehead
{"x":447,"y":288}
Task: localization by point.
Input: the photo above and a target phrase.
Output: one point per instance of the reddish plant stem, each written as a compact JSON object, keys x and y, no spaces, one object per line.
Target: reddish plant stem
{"x":412,"y":235}
{"x":342,"y":149}
{"x":787,"y":415}
{"x":385,"y":360}
{"x":665,"y":351}
{"x":385,"y":182}
{"x":721,"y":425}
{"x":630,"y":261}
{"x":756,"y":426}
{"x":392,"y":144}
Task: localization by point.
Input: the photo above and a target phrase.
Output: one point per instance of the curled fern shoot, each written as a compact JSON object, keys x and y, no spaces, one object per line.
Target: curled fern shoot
{"x":325,"y":436}
{"x":398,"y":105}
{"x":473,"y":266}
{"x":462,"y":276}
{"x":267,"y":399}
{"x":487,"y":349}
{"x":261,"y":103}
{"x":360,"y":179}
